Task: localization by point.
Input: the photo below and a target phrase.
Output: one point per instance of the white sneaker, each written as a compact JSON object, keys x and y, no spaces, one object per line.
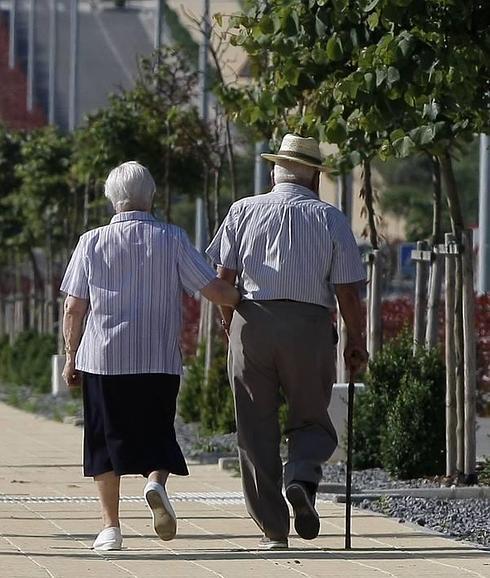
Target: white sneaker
{"x":164,"y":518}
{"x":108,"y":539}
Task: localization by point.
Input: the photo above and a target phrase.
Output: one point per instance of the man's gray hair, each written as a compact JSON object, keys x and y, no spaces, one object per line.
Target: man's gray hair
{"x":130,"y":187}
{"x":291,"y":172}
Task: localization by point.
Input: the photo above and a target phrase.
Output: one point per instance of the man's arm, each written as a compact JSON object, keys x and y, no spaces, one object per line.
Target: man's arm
{"x":74,"y":313}
{"x":228,"y":275}
{"x":355,"y":353}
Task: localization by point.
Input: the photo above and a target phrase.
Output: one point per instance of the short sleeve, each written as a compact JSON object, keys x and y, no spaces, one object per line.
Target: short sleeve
{"x":222,"y":249}
{"x":194,"y":272}
{"x":75,"y":280}
{"x":346,"y":266}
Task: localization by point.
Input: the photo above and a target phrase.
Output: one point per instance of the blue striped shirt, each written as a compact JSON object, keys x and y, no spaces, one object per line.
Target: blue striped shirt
{"x":287,"y":244}
{"x":133,"y":271}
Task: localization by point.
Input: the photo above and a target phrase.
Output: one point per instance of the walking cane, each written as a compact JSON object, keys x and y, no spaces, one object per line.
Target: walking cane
{"x":348,"y":473}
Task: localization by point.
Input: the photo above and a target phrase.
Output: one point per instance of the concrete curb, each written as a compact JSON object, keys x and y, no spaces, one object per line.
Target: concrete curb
{"x":456,"y":493}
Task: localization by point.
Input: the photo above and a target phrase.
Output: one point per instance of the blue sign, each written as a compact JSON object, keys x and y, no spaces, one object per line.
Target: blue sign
{"x":406,"y":266}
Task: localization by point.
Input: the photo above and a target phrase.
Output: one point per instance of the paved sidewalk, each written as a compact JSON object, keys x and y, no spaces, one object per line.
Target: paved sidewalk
{"x":52,"y":537}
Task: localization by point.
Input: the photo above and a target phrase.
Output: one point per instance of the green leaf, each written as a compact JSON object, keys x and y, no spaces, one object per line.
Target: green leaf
{"x":404,"y":146}
{"x":336,"y":131}
{"x":373,"y":20}
{"x":266,"y":25}
{"x":319,"y":27}
{"x":381,"y":75}
{"x":371,"y":6}
{"x":218,"y":18}
{"x":369,"y":81}
{"x":393,"y":75}
{"x":431,"y":110}
{"x":334,"y":48}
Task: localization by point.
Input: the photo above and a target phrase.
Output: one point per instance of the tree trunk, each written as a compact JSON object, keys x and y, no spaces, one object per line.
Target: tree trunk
{"x":231,"y":161}
{"x":435,"y":285}
{"x":469,"y":360}
{"x":207,"y":204}
{"x":420,"y":299}
{"x":376,"y":324}
{"x":166,"y":179}
{"x":368,"y":196}
{"x":437,"y":264}
{"x":457,"y":225}
{"x":437,"y":201}
{"x":457,"y":219}
{"x":216,"y":197}
{"x":451,"y":405}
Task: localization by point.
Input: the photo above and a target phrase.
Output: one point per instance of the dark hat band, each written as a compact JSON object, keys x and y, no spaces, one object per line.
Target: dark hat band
{"x":300,"y":156}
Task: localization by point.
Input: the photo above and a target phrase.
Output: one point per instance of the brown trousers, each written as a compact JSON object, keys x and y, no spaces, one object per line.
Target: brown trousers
{"x":281,"y":346}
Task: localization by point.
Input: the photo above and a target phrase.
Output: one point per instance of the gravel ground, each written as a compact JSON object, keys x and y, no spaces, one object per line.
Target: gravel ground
{"x":460,"y":519}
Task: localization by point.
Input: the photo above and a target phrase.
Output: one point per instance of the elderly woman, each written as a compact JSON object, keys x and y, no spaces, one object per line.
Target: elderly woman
{"x":130,"y":276}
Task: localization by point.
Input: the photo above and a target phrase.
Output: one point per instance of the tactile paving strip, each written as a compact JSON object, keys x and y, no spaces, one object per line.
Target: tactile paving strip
{"x":201,"y":497}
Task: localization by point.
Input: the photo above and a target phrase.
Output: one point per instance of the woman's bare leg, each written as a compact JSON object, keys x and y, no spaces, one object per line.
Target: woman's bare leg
{"x":108,"y":485}
{"x":159,"y":476}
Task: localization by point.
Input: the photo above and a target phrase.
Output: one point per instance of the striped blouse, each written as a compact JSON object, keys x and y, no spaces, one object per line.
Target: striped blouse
{"x":287,"y":244}
{"x":133,"y":271}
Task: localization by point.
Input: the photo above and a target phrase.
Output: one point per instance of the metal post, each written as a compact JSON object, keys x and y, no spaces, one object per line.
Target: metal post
{"x":262,"y":169}
{"x":30,"y":55}
{"x":348,"y":476}
{"x":344,"y":203}
{"x":159,"y":24}
{"x":201,"y":220}
{"x":12,"y":32}
{"x":74,"y":47}
{"x":484,"y":217}
{"x":53,"y":41}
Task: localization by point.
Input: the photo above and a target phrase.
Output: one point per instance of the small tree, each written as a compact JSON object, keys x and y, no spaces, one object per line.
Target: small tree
{"x":156,"y":123}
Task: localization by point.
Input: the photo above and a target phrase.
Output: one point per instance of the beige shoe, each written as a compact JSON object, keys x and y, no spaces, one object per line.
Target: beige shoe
{"x":108,"y":539}
{"x":266,"y":543}
{"x":164,"y":518}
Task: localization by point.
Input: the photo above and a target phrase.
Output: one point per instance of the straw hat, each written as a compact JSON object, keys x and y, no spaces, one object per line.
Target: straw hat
{"x":304,"y":151}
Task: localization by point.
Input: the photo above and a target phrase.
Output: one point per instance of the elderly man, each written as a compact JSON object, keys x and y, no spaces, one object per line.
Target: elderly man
{"x":129,"y":276}
{"x":287,"y":249}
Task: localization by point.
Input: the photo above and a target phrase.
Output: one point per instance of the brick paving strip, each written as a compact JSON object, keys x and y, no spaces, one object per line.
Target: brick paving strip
{"x":49,"y":517}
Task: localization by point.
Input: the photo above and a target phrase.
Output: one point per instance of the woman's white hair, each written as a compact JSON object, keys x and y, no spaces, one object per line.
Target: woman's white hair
{"x":130,"y":187}
{"x":291,"y":172}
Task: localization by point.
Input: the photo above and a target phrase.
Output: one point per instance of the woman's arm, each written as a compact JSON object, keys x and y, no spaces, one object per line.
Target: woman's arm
{"x":74,"y":314}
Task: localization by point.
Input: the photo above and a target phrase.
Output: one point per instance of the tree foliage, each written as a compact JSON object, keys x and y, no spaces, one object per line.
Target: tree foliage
{"x":156,"y":123}
{"x":384,"y":77}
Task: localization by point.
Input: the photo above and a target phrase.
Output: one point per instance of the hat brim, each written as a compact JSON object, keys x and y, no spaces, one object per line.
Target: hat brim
{"x":277,"y":158}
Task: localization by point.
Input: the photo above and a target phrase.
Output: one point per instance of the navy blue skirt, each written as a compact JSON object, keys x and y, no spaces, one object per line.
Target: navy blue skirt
{"x":129,"y":424}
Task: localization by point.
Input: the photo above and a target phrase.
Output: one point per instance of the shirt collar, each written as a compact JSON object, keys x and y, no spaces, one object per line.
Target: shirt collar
{"x":292,"y":188}
{"x":132,"y":216}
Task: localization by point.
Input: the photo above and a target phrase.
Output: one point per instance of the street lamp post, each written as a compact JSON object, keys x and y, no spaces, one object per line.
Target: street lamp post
{"x":30,"y":55}
{"x":159,"y":24}
{"x":484,"y":217}
{"x":74,"y":48}
{"x":53,"y":42}
{"x":12,"y":32}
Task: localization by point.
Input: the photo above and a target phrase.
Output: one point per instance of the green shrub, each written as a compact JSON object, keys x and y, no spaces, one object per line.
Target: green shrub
{"x":28,"y":360}
{"x":210,"y":405}
{"x":399,"y":419}
{"x":414,"y":441}
{"x":191,"y":392}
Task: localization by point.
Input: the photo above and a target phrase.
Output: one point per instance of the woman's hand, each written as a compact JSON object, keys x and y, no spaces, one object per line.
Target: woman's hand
{"x":71,"y":376}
